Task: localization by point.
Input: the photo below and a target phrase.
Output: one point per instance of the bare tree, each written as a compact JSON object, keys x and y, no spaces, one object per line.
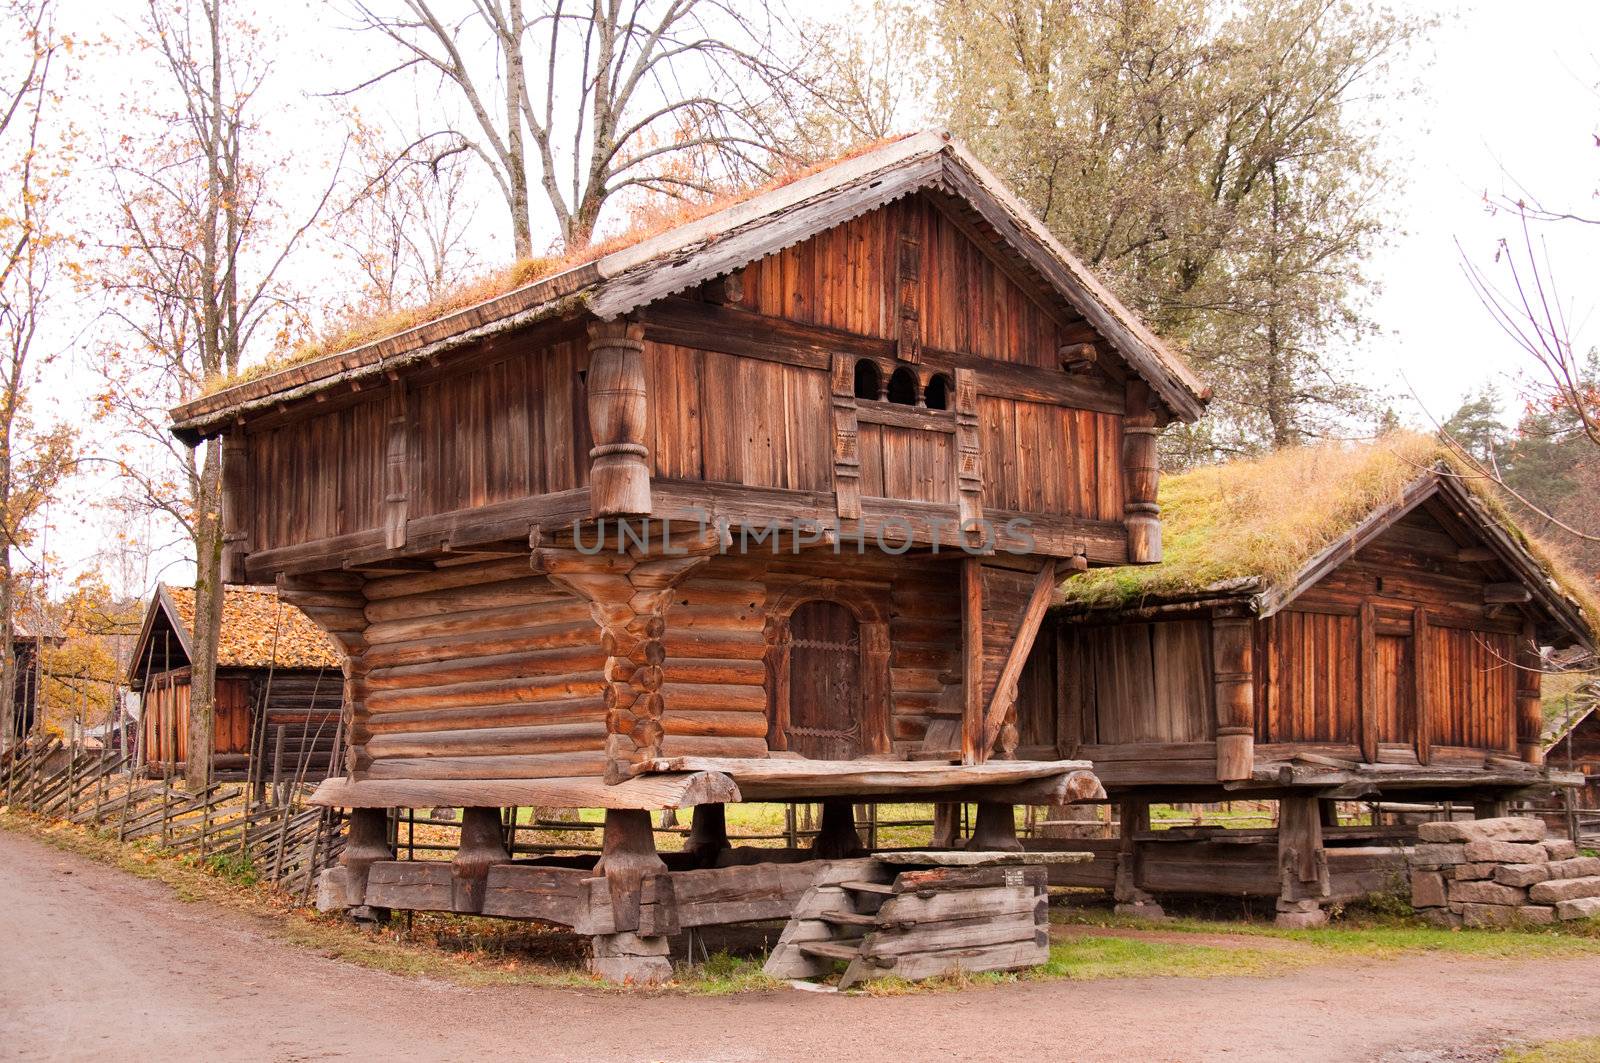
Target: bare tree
{"x":32,"y":461}
{"x":585,"y":102}
{"x":193,"y":273}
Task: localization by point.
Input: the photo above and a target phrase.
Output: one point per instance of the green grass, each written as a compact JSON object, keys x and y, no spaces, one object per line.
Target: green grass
{"x":1119,"y":957}
{"x":1579,"y":1050}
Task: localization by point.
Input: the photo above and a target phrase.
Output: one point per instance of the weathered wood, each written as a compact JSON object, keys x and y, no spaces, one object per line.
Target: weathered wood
{"x":366,"y":843}
{"x":1141,"y":473}
{"x":837,"y":838}
{"x":1003,"y":703}
{"x":973,"y":750}
{"x":1530,"y":711}
{"x":781,"y":778}
{"x":619,"y":471}
{"x":708,"y":833}
{"x":628,"y":856}
{"x":995,"y":829}
{"x":1233,"y":675}
{"x":653,"y":791}
{"x":482,"y":846}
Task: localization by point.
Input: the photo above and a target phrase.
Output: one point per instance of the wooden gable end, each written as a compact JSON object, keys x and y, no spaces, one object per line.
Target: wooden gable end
{"x":743,"y":377}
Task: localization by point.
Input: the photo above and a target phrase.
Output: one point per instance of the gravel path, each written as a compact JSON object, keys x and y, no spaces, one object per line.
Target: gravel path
{"x":99,"y":965}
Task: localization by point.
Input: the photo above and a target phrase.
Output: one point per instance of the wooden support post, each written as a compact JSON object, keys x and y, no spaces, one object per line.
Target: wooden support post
{"x":1530,"y":721}
{"x":366,"y":844}
{"x":969,"y":450}
{"x":1302,"y":863}
{"x":999,"y":720}
{"x":237,"y":510}
{"x":908,"y":341}
{"x":708,"y":834}
{"x":946,"y":825}
{"x":1367,"y":680}
{"x":482,"y":846}
{"x":628,"y":856}
{"x":1328,"y":812}
{"x":972,"y":748}
{"x":846,"y":442}
{"x":837,"y":838}
{"x":1141,"y":473}
{"x":1489,"y":806}
{"x":1134,"y":817}
{"x":1233,"y":679}
{"x":995,"y":830}
{"x":1421,"y":672}
{"x":396,"y":476}
{"x":619,"y":469}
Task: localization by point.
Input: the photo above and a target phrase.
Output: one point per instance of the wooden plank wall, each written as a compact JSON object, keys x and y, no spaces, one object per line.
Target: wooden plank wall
{"x":1137,"y":683}
{"x":1050,"y":459}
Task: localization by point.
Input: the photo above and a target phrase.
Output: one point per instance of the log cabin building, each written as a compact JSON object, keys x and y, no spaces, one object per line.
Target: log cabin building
{"x":1574,"y":745}
{"x":766,"y":506}
{"x":277,"y":674}
{"x":25,"y":649}
{"x":1329,"y":623}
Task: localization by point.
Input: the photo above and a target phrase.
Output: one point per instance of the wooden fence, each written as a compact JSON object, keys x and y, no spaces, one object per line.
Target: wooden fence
{"x":283,"y":842}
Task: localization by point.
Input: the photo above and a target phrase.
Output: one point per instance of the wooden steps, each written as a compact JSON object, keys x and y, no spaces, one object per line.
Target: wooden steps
{"x":916,"y":922}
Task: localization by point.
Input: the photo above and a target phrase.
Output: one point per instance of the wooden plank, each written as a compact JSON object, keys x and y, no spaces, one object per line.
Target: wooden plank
{"x":1367,"y":672}
{"x":1005,"y":694}
{"x":655,"y":791}
{"x":973,"y":749}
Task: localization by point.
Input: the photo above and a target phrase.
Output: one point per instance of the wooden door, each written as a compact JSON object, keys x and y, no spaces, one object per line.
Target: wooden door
{"x":230,"y":728}
{"x":825,"y":702}
{"x":1396,"y":689}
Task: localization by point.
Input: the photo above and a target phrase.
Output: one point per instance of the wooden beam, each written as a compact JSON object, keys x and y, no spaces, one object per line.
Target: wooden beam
{"x":1233,"y":681}
{"x":1530,"y":718}
{"x":1475,"y":554}
{"x":1367,"y":680}
{"x":1421,"y":671}
{"x":1004,"y":699}
{"x":973,"y":751}
{"x":1506,"y":594}
{"x":684,"y":789}
{"x":1141,"y":474}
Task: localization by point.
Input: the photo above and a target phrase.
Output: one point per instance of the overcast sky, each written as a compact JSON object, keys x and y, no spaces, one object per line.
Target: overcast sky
{"x":1506,"y":96}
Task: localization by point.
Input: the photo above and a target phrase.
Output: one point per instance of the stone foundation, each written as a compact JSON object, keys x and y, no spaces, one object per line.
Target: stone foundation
{"x":1500,"y":872}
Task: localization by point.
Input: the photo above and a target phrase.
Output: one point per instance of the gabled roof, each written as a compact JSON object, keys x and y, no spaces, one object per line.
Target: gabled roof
{"x":259,"y":630}
{"x":687,"y":255}
{"x":1261,"y":531}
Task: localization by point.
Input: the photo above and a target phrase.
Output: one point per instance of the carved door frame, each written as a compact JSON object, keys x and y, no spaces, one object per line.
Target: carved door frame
{"x":872,"y":619}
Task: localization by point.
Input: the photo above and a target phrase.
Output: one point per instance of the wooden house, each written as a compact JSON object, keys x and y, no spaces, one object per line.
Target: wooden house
{"x":1329,"y":623}
{"x":279,"y":685}
{"x":25,"y":647}
{"x":1573,"y":744}
{"x":765,"y":506}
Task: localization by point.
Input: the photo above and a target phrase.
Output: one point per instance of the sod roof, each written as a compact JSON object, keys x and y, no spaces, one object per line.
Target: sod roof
{"x":1250,"y":528}
{"x":258,"y":629}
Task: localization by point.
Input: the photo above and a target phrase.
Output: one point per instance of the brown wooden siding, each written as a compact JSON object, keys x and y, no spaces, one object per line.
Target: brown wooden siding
{"x":1040,"y":458}
{"x":318,"y":476}
{"x":1309,"y":679}
{"x":1139,"y":683}
{"x":1472,"y":689}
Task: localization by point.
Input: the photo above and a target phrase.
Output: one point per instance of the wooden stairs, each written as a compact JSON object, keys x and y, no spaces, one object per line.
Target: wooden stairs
{"x":915,"y":923}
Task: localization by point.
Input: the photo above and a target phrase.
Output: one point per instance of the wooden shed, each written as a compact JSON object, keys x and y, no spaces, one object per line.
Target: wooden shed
{"x":25,"y":647}
{"x":1573,"y":744}
{"x":765,"y":506}
{"x":1330,"y":623}
{"x":279,"y":685}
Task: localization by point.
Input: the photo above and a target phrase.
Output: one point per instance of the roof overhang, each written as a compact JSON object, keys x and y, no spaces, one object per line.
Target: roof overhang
{"x":624,"y":281}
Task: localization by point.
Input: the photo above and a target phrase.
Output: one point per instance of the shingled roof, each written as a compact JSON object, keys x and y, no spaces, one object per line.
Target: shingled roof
{"x":258,"y":629}
{"x":636,"y":273}
{"x":1263,"y":529}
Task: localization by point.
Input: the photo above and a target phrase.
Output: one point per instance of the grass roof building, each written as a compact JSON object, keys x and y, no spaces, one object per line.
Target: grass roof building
{"x":1328,"y":623}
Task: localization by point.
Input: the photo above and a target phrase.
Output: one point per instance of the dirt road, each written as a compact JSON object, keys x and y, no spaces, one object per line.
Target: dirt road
{"x":98,"y":965}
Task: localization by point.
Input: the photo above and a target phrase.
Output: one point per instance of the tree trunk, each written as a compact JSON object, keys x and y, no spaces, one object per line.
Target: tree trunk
{"x":8,"y":655}
{"x":207,"y":619}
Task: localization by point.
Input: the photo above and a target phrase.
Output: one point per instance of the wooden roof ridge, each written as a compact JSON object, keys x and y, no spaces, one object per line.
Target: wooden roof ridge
{"x":624,"y":280}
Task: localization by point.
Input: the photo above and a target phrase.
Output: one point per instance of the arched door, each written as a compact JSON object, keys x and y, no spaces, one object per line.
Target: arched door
{"x":825,"y":703}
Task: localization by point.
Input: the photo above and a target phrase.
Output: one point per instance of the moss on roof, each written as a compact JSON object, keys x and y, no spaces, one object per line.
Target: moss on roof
{"x":358,"y":325}
{"x":261,"y":631}
{"x":1251,"y":525}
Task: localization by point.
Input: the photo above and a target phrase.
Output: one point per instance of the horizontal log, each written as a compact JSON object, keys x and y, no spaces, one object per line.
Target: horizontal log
{"x":529,"y":591}
{"x":748,"y":645}
{"x":679,"y":790}
{"x":489,"y":692}
{"x":414,"y":583}
{"x":446,"y":718}
{"x":675,"y":721}
{"x":490,"y":741}
{"x":482,"y":621}
{"x":468,"y":644}
{"x":526,"y":766}
{"x":526,"y":664}
{"x":709,"y":697}
{"x":775,"y":778}
{"x":712,"y":671}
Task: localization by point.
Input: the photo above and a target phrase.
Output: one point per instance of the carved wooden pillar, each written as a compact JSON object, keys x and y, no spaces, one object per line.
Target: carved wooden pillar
{"x":396,"y":477}
{"x":1133,"y":819}
{"x":908,"y":341}
{"x":633,"y":952}
{"x":973,"y":750}
{"x":482,"y":846}
{"x":1141,"y":473}
{"x":237,"y":510}
{"x":1530,"y":721}
{"x":995,"y":829}
{"x":366,"y":843}
{"x":1233,"y":676}
{"x":969,"y":449}
{"x":619,"y":470}
{"x":1302,"y":862}
{"x":708,"y":834}
{"x":837,"y":838}
{"x":846,"y":443}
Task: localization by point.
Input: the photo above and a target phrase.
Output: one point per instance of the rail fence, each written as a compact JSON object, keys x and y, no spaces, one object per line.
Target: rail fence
{"x":279,"y":838}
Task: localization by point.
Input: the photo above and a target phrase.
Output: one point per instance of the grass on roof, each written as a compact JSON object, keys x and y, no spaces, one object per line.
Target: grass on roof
{"x":1267,"y":517}
{"x":366,"y":323}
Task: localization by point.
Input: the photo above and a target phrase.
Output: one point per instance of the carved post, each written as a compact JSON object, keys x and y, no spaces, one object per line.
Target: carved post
{"x":1141,"y":473}
{"x":946,"y":824}
{"x":396,"y":478}
{"x":628,"y":862}
{"x":1233,"y":676}
{"x":1133,"y":818}
{"x":236,"y":507}
{"x":908,"y":342}
{"x":619,"y":470}
{"x":482,"y":846}
{"x":708,"y":834}
{"x":1530,"y":721}
{"x":846,"y":442}
{"x":1302,"y":862}
{"x":366,"y":843}
{"x":995,"y":829}
{"x":837,"y":837}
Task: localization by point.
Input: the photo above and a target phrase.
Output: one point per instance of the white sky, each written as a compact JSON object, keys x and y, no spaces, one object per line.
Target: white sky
{"x":1506,"y":95}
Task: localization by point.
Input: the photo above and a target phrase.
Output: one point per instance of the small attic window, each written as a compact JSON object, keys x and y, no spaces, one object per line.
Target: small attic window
{"x":869,"y":380}
{"x":903,"y":387}
{"x":936,"y":396}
